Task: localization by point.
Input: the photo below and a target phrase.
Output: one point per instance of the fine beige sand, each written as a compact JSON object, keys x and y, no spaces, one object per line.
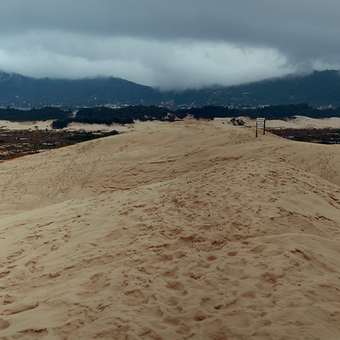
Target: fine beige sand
{"x":47,"y":125}
{"x":186,"y":230}
{"x":300,"y":122}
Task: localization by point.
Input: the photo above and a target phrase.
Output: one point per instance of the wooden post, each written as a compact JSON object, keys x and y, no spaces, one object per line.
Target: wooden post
{"x":264,"y":127}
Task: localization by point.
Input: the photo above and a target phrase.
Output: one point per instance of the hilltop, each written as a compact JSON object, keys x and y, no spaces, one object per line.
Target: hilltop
{"x":183,"y":230}
{"x":320,"y":88}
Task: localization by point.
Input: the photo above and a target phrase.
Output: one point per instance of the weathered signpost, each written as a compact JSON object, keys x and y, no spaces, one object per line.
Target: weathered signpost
{"x":261,"y":124}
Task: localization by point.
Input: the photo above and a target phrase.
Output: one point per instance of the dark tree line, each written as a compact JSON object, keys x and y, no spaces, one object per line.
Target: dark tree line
{"x":126,"y":115}
{"x":46,"y":113}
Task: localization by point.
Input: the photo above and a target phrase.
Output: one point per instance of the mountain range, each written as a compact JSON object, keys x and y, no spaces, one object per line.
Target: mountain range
{"x":319,"y":88}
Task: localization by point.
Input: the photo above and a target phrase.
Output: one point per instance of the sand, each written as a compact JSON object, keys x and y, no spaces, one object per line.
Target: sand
{"x":47,"y":125}
{"x":27,"y":125}
{"x":186,"y":230}
{"x":299,"y":122}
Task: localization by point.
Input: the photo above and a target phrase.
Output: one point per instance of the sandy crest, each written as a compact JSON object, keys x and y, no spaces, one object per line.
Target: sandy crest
{"x":182,"y":231}
{"x":47,"y":125}
{"x":299,"y":122}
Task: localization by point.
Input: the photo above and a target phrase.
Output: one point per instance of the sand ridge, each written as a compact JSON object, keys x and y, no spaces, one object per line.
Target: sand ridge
{"x":298,"y":122}
{"x":183,"y":231}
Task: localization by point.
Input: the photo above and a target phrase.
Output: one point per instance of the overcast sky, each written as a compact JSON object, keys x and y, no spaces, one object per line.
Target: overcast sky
{"x":169,"y":43}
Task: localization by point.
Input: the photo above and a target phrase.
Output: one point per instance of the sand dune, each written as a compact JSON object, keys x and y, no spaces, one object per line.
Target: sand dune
{"x":185,"y":230}
{"x":299,"y":122}
{"x":47,"y":125}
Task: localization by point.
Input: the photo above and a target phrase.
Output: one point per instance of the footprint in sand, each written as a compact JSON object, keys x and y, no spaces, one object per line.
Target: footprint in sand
{"x":8,"y":299}
{"x":135,"y":297}
{"x":15,"y":255}
{"x":4,"y":274}
{"x":4,"y":324}
{"x":20,"y":308}
{"x":34,"y":333}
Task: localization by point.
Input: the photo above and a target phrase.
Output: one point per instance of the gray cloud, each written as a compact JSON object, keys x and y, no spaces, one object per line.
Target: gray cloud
{"x":169,"y":43}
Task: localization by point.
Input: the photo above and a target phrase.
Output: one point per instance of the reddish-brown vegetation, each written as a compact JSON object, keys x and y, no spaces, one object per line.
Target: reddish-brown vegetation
{"x":17,"y":143}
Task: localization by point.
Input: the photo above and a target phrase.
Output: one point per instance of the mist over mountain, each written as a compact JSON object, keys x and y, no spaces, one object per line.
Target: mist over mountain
{"x":21,"y":91}
{"x":320,"y":88}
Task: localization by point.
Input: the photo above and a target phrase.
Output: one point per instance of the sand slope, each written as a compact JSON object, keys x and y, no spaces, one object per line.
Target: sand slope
{"x":299,"y":122}
{"x":182,"y":231}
